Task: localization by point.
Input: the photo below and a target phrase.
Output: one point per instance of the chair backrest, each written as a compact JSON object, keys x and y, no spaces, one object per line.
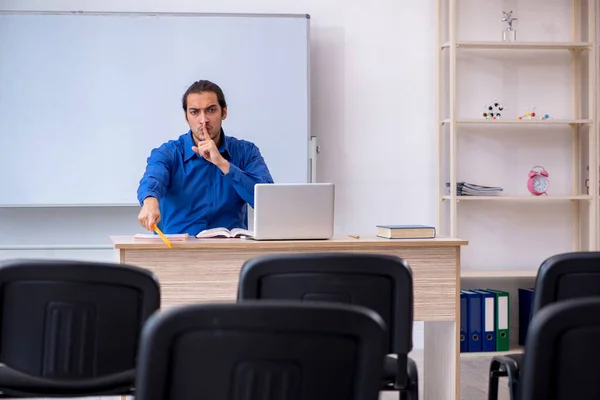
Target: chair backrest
{"x":382,"y":283}
{"x":73,"y":320}
{"x":567,"y":276}
{"x":261,"y":350}
{"x":563,"y":351}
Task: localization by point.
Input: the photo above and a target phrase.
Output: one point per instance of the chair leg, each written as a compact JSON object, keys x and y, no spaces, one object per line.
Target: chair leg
{"x":493,"y":380}
{"x":513,"y":388}
{"x":508,"y":368}
{"x":413,"y":380}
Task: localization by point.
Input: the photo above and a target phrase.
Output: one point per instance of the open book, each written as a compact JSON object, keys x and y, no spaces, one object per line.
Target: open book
{"x":224,"y":233}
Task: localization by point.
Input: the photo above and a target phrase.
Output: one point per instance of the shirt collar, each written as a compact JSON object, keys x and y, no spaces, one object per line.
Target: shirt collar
{"x":224,"y":146}
{"x":188,"y":142}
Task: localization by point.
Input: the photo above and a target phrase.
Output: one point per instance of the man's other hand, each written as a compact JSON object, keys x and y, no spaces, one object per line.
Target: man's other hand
{"x":150,"y":213}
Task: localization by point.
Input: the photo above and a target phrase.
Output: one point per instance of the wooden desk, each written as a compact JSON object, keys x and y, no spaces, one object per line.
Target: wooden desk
{"x":207,"y":270}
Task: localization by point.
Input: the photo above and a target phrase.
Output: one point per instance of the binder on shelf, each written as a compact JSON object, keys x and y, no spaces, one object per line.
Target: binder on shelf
{"x":473,"y":320}
{"x":488,"y":318}
{"x":502,"y":319}
{"x":525,"y":303}
{"x":463,"y":322}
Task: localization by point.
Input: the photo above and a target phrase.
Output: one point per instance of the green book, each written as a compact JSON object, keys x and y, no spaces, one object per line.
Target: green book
{"x":502,"y":309}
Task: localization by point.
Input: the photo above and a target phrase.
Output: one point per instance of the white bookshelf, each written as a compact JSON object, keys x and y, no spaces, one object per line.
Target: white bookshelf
{"x":582,"y":128}
{"x":470,"y":46}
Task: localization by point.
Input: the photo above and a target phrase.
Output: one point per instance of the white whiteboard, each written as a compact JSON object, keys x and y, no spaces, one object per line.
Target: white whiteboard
{"x":84,"y":97}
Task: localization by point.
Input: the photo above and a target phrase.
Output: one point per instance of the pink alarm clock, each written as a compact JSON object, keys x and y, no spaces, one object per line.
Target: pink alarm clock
{"x":538,"y":181}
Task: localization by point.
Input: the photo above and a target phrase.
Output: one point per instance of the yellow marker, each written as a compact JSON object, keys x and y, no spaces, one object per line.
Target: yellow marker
{"x":162,"y":236}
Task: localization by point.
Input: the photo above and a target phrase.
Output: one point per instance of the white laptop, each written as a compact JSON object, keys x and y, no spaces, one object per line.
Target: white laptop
{"x":290,"y":211}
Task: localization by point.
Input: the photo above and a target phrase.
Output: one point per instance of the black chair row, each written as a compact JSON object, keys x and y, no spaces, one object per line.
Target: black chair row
{"x":73,"y":329}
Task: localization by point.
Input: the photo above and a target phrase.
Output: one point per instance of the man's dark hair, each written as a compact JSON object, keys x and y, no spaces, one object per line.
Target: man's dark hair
{"x":201,"y":87}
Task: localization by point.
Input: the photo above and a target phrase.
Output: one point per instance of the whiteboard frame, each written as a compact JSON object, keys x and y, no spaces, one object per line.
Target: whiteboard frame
{"x":156,"y":13}
{"x":311,"y":140}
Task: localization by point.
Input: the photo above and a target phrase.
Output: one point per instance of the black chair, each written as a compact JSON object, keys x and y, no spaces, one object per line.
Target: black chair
{"x":561,"y":361}
{"x":70,"y":328}
{"x":381,"y":283}
{"x":560,"y":277}
{"x":261,"y":350}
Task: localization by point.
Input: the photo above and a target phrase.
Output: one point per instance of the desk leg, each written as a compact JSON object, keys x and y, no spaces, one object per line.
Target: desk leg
{"x":441,"y":362}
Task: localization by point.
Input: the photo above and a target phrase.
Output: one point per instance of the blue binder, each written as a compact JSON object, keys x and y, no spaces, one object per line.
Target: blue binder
{"x":473,"y":320}
{"x":488,"y":320}
{"x":525,"y":303}
{"x":463,"y":322}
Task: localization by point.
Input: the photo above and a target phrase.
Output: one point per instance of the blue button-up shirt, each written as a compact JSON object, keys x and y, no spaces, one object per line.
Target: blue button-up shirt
{"x":193,"y":194}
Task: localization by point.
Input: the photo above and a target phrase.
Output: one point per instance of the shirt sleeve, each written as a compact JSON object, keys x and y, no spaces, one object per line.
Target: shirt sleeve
{"x":255,"y":171}
{"x":155,"y":181}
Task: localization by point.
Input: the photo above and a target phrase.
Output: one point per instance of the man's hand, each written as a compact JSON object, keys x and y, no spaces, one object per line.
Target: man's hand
{"x":150,"y":213}
{"x":207,"y":149}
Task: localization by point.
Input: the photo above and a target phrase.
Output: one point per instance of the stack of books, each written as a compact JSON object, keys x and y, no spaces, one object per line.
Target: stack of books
{"x":471,"y":189}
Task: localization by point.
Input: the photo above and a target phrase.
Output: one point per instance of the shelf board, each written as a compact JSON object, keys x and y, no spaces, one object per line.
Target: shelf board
{"x":520,"y":45}
{"x":488,"y":274}
{"x":508,"y":121}
{"x":516,"y":349}
{"x":520,"y":198}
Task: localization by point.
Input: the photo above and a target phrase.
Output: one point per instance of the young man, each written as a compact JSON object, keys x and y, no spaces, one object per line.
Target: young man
{"x":204,"y":179}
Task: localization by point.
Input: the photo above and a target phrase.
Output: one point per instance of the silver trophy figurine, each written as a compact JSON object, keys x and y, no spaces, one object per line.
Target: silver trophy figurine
{"x":509,"y":34}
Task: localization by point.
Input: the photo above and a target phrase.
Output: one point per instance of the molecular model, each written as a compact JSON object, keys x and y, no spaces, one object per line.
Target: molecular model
{"x":533,"y":115}
{"x":493,"y":111}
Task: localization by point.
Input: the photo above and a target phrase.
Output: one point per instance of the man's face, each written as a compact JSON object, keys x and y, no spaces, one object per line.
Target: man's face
{"x":204,"y":115}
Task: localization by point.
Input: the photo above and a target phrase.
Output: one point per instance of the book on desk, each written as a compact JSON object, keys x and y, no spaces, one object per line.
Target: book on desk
{"x":224,"y":233}
{"x":406,"y":231}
